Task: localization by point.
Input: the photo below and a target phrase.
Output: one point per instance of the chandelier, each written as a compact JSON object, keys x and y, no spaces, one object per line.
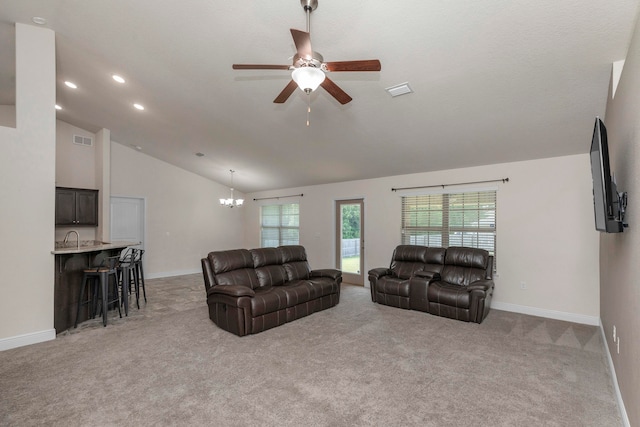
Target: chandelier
{"x":231,"y":202}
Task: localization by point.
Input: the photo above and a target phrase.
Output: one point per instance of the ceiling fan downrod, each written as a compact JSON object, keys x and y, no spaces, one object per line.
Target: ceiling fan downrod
{"x":309,"y":6}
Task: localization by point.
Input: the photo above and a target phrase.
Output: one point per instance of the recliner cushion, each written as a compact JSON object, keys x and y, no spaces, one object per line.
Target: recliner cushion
{"x":268,"y":266}
{"x":393,"y":286}
{"x":467,"y":257}
{"x":407,"y":259}
{"x":266,"y":256}
{"x":294,"y":258}
{"x":449,"y":294}
{"x":267,"y":300}
{"x":224,"y":261}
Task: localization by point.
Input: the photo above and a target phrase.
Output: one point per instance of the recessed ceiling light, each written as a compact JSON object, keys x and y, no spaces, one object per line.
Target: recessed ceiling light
{"x":118,"y":78}
{"x":71,"y":84}
{"x":138,"y":106}
{"x":38,"y":20}
{"x":58,"y":107}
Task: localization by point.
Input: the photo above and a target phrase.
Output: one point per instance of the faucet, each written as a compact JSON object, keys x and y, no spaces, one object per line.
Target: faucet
{"x":66,"y":238}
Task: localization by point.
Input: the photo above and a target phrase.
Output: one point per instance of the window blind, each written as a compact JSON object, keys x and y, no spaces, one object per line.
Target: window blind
{"x":453,"y":219}
{"x":280,"y":225}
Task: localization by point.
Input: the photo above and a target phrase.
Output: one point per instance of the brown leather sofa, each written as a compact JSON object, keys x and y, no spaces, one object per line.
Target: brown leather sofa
{"x":250,"y":291}
{"x":454,"y":282}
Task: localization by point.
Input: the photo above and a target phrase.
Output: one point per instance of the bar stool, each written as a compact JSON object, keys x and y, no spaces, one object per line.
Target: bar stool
{"x":126,"y":275}
{"x":100,"y":276}
{"x":139,"y":275}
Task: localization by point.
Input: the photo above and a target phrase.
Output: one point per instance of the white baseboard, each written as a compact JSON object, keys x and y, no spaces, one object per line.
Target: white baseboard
{"x":162,"y":274}
{"x":550,"y":314}
{"x":27,"y":339}
{"x":623,"y":411}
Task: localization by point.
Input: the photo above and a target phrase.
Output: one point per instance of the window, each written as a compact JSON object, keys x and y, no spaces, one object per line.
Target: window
{"x":456,"y":219}
{"x":280,"y":225}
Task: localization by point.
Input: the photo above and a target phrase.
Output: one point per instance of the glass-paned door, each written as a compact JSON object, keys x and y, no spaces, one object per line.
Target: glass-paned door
{"x":350,"y":240}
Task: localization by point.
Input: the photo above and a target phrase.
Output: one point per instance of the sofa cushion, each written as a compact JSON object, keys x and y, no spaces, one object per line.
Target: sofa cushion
{"x":324,"y":285}
{"x":271,"y":275}
{"x":224,"y":261}
{"x":449,"y":294}
{"x":467,"y":257}
{"x":244,"y":277}
{"x":299,"y":291}
{"x":464,"y":265}
{"x":407,"y":259}
{"x":295,"y":262}
{"x":393,"y":286}
{"x":266,"y":256}
{"x":268,"y":266}
{"x":267,"y":300}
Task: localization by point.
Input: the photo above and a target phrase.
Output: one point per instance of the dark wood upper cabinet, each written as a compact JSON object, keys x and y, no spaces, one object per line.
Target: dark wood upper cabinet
{"x":76,"y":206}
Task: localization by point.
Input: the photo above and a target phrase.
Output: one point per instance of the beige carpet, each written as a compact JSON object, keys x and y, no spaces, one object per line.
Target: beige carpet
{"x":356,"y":364}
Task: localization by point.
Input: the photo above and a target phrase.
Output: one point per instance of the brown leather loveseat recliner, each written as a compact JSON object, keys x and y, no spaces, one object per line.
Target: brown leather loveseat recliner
{"x":249,"y":291}
{"x":454,"y":282}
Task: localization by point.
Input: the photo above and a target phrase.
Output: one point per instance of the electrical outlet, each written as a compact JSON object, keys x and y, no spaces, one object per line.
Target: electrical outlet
{"x":618,"y":345}
{"x":614,"y":333}
{"x":523,"y":285}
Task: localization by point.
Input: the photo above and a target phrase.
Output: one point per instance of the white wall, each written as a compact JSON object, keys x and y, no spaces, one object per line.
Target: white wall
{"x":27,"y":181}
{"x":75,"y":164}
{"x":620,"y":252}
{"x":545,"y":226}
{"x":8,"y":116}
{"x":184,"y":221}
{"x":75,"y":167}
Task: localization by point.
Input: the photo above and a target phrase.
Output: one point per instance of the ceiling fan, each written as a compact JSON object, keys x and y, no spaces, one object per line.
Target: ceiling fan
{"x":309,"y":68}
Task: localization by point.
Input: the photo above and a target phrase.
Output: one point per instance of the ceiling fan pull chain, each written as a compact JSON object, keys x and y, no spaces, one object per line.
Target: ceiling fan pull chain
{"x":308,"y":108}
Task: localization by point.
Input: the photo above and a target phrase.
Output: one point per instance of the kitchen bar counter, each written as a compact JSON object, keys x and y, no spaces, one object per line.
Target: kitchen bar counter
{"x":70,"y":263}
{"x":90,"y":246}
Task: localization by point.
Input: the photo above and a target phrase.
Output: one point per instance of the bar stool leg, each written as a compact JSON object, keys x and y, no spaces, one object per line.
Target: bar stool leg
{"x":144,"y":291}
{"x":136,"y":283}
{"x":104,"y":279}
{"x":85,"y":281}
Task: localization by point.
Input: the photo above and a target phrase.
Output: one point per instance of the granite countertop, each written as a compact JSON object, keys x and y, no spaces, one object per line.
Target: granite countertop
{"x":89,"y":246}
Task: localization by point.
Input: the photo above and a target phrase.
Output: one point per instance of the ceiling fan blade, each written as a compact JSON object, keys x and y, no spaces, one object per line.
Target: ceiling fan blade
{"x":286,"y":92}
{"x":365,"y":65}
{"x":335,"y":91}
{"x":302,"y":40}
{"x":260,"y":67}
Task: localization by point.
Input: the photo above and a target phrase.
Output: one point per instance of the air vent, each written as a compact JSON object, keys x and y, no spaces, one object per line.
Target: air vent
{"x":83,"y":140}
{"x":401,"y":89}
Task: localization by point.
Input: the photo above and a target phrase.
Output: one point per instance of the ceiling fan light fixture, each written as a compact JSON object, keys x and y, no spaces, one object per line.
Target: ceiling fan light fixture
{"x":308,"y":78}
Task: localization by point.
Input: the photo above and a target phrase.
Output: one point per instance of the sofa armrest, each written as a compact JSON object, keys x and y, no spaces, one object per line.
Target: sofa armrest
{"x":481,"y":285}
{"x":428,"y":275}
{"x":379,"y":272}
{"x":326,"y":272}
{"x":231,"y":290}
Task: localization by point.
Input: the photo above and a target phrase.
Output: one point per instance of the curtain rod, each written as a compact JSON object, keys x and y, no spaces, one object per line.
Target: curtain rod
{"x":278,"y":198}
{"x":503,"y":180}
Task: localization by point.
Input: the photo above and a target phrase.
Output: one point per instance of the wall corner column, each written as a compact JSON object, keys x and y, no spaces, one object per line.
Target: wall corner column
{"x":103,"y":183}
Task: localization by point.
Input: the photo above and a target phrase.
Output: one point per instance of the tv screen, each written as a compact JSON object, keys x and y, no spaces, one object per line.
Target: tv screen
{"x":605,"y":195}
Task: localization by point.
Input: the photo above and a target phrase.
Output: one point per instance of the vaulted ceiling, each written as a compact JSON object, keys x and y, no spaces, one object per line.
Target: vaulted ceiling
{"x":494,"y":81}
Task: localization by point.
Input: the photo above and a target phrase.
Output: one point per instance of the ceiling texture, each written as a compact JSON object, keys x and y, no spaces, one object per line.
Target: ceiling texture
{"x":494,"y":81}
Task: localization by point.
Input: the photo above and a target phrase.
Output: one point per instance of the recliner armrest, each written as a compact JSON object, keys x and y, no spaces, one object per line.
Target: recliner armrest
{"x":379,"y":272}
{"x":231,"y":290}
{"x":326,"y":272}
{"x":481,"y":285}
{"x":428,"y":275}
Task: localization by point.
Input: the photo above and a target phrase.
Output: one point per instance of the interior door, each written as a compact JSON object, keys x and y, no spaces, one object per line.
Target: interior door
{"x":350,"y":240}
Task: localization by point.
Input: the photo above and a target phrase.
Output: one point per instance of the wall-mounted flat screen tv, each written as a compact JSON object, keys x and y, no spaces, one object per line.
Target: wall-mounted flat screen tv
{"x":605,"y":195}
